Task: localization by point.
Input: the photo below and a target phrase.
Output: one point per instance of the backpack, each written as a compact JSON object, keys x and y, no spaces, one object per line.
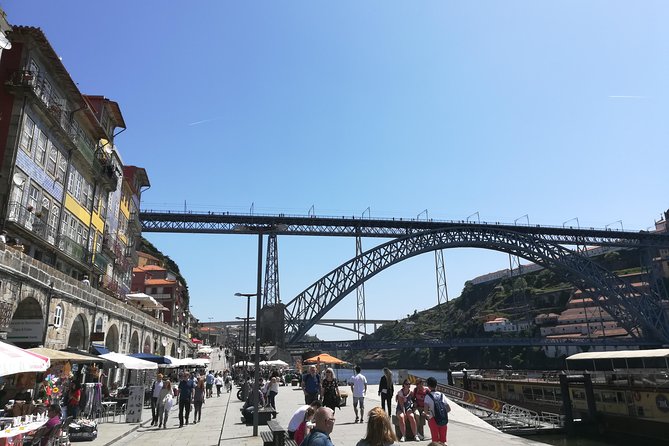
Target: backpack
{"x":440,"y":411}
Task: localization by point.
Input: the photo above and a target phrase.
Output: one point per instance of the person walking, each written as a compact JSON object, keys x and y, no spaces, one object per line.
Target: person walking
{"x":404,"y":411}
{"x":218,"y":382}
{"x":165,"y":403}
{"x":272,"y":392}
{"x":330,"y":390}
{"x":438,"y":428}
{"x":186,"y":389}
{"x":198,"y":400}
{"x":358,"y":389}
{"x":386,"y":390}
{"x":380,"y":430}
{"x":324,"y":421}
{"x":210,"y":383}
{"x":156,"y":387}
{"x":311,"y":385}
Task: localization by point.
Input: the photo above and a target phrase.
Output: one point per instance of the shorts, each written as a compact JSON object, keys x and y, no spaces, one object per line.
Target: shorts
{"x":361,"y":400}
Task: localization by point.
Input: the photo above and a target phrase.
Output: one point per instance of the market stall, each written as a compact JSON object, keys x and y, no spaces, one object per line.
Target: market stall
{"x":17,"y":378}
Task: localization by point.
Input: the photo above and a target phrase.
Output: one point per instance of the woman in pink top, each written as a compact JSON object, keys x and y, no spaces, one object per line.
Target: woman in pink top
{"x":303,"y":429}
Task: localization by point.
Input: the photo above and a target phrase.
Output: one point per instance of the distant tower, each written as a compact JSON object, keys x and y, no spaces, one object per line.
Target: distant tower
{"x":271,"y":292}
{"x":440,"y":268}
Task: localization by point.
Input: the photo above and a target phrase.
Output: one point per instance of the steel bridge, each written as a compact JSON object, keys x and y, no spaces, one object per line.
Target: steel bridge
{"x":642,"y":313}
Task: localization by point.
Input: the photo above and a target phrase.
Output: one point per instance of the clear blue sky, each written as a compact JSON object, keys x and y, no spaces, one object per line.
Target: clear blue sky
{"x":557,"y":110}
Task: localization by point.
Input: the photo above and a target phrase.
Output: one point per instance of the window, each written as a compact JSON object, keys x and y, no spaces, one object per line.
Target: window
{"x":98,"y":325}
{"x":40,"y":151}
{"x":53,"y":159}
{"x":27,"y":134}
{"x":62,"y":168}
{"x":58,"y":316}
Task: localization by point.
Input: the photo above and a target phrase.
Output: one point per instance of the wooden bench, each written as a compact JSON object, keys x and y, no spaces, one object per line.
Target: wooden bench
{"x":265,"y":414}
{"x":420,"y":423}
{"x":278,"y":432}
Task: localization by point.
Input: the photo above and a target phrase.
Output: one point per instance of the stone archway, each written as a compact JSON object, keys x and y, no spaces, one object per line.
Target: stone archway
{"x":146,"y":348}
{"x":112,"y":338}
{"x":79,"y":338}
{"x":134,"y":342}
{"x":27,"y":324}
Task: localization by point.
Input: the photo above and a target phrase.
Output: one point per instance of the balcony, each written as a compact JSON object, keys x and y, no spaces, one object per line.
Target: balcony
{"x":73,"y":249}
{"x":35,"y":222}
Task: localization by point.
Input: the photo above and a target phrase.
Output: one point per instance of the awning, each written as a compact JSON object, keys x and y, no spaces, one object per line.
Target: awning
{"x":243,"y":364}
{"x":190,"y":362}
{"x":196,"y":341}
{"x":206,"y":350}
{"x":57,"y":355}
{"x":99,"y":349}
{"x":174,"y":363}
{"x":129,"y":362}
{"x":152,"y":358}
{"x":145,"y":302}
{"x":17,"y":360}
{"x":622,"y":354}
{"x":92,"y":357}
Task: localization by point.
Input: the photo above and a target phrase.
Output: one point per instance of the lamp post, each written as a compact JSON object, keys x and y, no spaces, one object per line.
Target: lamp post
{"x":256,"y":377}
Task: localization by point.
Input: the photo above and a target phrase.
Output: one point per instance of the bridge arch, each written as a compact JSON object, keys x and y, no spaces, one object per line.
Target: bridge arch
{"x":642,"y":315}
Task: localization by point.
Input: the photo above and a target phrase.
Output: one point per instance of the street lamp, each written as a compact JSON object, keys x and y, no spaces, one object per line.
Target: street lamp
{"x":247,"y":325}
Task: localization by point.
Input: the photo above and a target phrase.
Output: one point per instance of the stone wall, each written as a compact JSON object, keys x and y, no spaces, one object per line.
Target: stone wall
{"x":25,"y":281}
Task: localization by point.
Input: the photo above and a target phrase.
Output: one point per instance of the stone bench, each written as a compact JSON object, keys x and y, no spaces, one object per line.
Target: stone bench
{"x":420,"y":426}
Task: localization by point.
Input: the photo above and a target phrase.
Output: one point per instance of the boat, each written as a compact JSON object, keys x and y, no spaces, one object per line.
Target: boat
{"x":616,"y":391}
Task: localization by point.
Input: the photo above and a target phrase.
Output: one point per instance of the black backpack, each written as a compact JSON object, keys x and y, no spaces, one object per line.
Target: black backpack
{"x":440,"y":411}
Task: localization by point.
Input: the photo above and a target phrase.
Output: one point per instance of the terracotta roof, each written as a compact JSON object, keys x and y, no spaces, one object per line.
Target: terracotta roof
{"x":159,"y":282}
{"x":153,"y":268}
{"x":138,"y":269}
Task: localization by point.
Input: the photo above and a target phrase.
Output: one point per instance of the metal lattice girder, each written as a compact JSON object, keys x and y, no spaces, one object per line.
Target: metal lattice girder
{"x":271,"y":290}
{"x":225,"y":223}
{"x":361,"y":326}
{"x":638,"y":311}
{"x":440,"y":267}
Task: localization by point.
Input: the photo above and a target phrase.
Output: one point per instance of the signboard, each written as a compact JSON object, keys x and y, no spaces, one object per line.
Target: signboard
{"x":26,"y":330}
{"x":133,"y":412}
{"x":97,"y":336}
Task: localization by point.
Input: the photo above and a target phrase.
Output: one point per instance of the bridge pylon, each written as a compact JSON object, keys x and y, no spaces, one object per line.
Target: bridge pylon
{"x":271,"y":291}
{"x":440,"y":268}
{"x":361,"y":325}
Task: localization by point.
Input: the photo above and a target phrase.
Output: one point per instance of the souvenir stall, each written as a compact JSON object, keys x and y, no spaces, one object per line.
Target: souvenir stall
{"x":70,"y":369}
{"x":17,"y":379}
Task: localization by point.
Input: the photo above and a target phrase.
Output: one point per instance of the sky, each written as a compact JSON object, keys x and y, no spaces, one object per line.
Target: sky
{"x":532,"y":111}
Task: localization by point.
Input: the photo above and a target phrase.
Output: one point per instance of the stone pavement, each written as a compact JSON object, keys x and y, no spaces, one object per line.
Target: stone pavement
{"x":221,"y":425}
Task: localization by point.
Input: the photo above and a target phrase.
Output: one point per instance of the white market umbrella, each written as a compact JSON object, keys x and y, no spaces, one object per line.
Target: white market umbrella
{"x":242,"y":364}
{"x":129,"y":362}
{"x":206,"y":350}
{"x":17,"y":360}
{"x":278,"y":363}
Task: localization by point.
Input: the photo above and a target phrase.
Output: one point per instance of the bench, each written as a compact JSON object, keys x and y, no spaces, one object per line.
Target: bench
{"x":265,"y":414}
{"x":343,"y":396}
{"x":420,"y":423}
{"x":278,"y":432}
{"x":276,"y":436}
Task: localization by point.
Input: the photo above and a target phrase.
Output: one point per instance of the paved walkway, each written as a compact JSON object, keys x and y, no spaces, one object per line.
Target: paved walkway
{"x":222,"y":426}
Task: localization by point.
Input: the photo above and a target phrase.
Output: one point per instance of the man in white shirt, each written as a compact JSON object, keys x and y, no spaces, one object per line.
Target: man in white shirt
{"x":358,"y":385}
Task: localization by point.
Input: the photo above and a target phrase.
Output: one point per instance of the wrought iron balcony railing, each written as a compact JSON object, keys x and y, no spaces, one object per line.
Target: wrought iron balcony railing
{"x":35,"y":222}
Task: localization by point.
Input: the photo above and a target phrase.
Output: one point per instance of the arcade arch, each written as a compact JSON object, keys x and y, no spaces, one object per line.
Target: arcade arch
{"x":147,"y":345}
{"x":79,"y":338}
{"x":111,"y":340}
{"x":134,"y":342}
{"x":29,"y":317}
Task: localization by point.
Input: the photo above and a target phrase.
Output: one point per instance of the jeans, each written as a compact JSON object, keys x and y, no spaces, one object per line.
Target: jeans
{"x":184,"y":404}
{"x":154,"y":410}
{"x":197,"y":411}
{"x":386,"y":397}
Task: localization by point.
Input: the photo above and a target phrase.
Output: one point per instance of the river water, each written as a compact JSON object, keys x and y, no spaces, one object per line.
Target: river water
{"x":374,"y":376}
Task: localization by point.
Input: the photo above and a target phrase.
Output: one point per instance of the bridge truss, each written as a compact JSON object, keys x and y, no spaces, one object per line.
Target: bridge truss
{"x":640,"y":312}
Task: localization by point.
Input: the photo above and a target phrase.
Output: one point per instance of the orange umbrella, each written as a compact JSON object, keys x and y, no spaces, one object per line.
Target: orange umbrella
{"x":325,"y":358}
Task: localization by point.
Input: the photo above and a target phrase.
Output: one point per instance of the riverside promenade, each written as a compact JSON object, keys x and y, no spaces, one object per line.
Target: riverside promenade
{"x":221,"y":425}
